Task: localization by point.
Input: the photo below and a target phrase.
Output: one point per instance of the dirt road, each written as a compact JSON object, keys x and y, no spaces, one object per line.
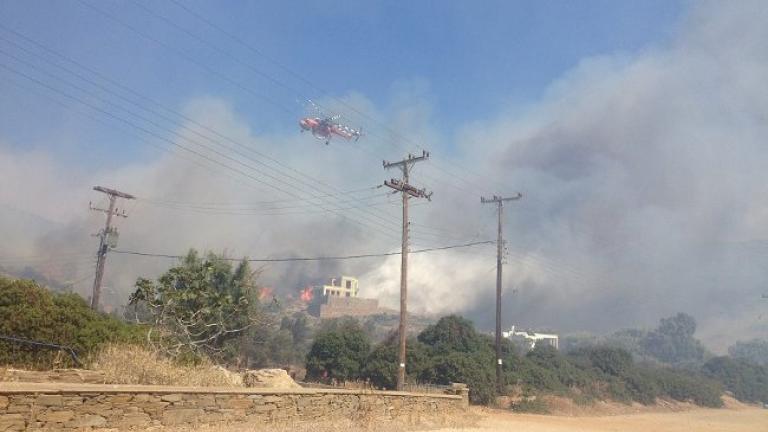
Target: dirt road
{"x":697,"y":420}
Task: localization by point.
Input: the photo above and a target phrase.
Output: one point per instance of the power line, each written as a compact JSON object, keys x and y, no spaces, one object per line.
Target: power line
{"x":373,"y":199}
{"x":246,"y":88}
{"x":312,"y":181}
{"x":362,"y":209}
{"x":251,"y":203}
{"x":321,"y":258}
{"x":300,"y":77}
{"x":195,"y":152}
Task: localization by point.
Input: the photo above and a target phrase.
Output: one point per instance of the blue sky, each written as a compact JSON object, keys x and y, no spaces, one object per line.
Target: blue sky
{"x":468,"y":60}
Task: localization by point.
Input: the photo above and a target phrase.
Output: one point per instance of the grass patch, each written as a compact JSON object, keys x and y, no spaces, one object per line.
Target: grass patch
{"x":131,"y":364}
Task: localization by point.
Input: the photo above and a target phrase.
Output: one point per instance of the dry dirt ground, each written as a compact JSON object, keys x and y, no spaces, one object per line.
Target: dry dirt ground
{"x":749,"y":419}
{"x":730,"y":419}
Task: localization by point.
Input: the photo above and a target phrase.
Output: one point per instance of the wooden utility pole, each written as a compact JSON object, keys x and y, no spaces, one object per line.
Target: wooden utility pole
{"x":407,"y":191}
{"x":107,"y":238}
{"x":499,"y":201}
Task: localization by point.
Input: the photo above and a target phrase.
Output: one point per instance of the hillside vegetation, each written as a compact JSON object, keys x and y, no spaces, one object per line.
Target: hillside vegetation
{"x":453,"y":351}
{"x":30,"y":311}
{"x":211,"y":294}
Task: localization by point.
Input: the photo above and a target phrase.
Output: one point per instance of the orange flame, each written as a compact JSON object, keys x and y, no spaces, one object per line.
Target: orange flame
{"x":265,"y":293}
{"x":306,"y":295}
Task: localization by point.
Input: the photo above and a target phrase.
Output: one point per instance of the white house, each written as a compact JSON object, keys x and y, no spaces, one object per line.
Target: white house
{"x":530,"y":338}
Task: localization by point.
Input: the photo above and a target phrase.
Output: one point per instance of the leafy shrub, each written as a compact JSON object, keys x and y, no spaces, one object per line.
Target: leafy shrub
{"x":338,"y":353}
{"x":610,"y":360}
{"x":29,"y":311}
{"x":687,"y":386}
{"x":477,"y":371}
{"x":381,"y":365}
{"x":747,"y":381}
{"x":642,"y":386}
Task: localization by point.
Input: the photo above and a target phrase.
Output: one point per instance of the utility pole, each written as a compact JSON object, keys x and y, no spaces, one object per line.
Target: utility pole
{"x":107,"y":238}
{"x":499,"y":201}
{"x":407,"y":191}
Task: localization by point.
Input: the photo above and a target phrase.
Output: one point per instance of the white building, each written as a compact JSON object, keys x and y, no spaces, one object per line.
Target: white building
{"x":343,"y":286}
{"x":530,"y":339}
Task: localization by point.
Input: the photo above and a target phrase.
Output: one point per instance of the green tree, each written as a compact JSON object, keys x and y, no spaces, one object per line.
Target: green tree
{"x":200,"y":305}
{"x":381,"y":365}
{"x":453,"y":333}
{"x":338,"y":352}
{"x":673,"y":342}
{"x":461,"y":354}
{"x":754,"y":351}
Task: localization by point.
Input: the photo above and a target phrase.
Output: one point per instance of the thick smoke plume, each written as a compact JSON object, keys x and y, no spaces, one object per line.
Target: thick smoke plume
{"x":643,"y":177}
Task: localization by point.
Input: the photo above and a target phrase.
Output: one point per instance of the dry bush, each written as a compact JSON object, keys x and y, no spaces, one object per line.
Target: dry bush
{"x":130,"y":364}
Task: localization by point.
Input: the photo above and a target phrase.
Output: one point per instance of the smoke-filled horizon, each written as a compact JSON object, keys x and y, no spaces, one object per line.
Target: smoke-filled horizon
{"x":642,"y":176}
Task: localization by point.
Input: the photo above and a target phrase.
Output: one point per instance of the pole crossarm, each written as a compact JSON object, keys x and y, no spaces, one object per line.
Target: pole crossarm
{"x":406,"y":188}
{"x":408,"y":161}
{"x":499,"y":199}
{"x":114,"y":192}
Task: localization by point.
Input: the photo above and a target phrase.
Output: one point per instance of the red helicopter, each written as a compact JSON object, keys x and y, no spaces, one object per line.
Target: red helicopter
{"x":325,"y":127}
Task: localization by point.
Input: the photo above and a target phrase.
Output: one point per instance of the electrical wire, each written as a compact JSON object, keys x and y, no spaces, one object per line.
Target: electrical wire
{"x":321,"y":258}
{"x":372,"y":214}
{"x":292,"y":72}
{"x":195,"y":152}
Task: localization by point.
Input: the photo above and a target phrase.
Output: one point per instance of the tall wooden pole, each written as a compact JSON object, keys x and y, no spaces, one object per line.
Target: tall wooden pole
{"x":104,"y":237}
{"x":101,"y":255}
{"x":499,"y":201}
{"x":403,"y":290}
{"x":407,"y":191}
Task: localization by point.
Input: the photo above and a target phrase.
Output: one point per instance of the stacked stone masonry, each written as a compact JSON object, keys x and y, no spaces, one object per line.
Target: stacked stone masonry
{"x":26,"y":406}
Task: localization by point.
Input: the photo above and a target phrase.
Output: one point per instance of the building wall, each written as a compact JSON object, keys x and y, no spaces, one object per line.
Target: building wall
{"x":335,"y":307}
{"x":69,"y":407}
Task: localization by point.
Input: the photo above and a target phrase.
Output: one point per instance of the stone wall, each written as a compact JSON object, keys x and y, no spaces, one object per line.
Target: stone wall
{"x":335,"y":307}
{"x":30,"y":406}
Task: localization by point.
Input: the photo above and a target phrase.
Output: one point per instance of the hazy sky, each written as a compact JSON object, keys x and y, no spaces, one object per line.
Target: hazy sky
{"x":467,"y":60}
{"x":635,"y":130}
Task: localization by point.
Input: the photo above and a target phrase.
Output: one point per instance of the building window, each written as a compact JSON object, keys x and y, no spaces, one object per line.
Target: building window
{"x":349,"y":284}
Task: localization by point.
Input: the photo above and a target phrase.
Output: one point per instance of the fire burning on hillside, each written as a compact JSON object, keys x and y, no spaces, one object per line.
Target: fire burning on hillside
{"x":306,"y":294}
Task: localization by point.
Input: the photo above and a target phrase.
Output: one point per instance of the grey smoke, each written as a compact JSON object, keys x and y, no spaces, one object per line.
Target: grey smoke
{"x":642,"y":174}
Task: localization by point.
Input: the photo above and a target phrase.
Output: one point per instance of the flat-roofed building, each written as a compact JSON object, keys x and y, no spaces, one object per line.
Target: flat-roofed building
{"x":343,"y":286}
{"x":531,"y":339}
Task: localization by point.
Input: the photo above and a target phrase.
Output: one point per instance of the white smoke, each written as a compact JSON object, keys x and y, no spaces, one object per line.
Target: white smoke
{"x":642,"y":174}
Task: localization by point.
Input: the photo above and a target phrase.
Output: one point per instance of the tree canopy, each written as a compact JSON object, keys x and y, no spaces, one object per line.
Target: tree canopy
{"x":198,"y":306}
{"x":338,"y":352}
